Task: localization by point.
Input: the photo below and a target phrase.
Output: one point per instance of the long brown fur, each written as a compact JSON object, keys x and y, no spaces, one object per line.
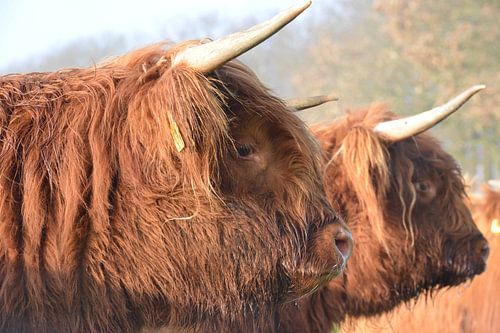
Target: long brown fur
{"x":472,"y":309}
{"x":408,"y":242}
{"x":106,"y":227}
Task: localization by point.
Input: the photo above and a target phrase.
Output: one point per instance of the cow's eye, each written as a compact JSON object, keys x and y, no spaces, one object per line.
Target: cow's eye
{"x":244,"y":150}
{"x":422,"y":186}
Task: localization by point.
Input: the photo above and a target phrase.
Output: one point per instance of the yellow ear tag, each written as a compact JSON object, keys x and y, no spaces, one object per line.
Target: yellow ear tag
{"x":176,"y":134}
{"x":495,"y":227}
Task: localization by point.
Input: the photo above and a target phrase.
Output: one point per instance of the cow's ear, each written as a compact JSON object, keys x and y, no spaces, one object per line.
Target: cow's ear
{"x":151,"y":72}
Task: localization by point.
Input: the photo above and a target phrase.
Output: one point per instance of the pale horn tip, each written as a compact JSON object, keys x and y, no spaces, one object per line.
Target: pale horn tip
{"x":332,"y":97}
{"x":476,"y":88}
{"x":299,"y":104}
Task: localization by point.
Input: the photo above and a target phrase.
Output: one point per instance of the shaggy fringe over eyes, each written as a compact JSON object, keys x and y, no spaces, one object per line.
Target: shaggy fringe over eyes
{"x":158,"y":103}
{"x":361,"y":158}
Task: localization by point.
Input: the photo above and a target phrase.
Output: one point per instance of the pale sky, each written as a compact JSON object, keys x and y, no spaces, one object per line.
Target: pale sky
{"x":32,"y":27}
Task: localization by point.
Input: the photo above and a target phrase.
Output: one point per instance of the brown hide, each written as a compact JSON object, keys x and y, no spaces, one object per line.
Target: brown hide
{"x":125,"y":199}
{"x":406,"y":206}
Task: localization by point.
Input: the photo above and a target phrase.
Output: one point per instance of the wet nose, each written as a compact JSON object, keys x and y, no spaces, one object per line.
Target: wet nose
{"x":343,"y":243}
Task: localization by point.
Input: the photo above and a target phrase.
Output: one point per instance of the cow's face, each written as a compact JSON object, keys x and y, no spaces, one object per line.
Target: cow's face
{"x":245,"y":173}
{"x":274,"y":162}
{"x":405,"y":204}
{"x":448,"y":248}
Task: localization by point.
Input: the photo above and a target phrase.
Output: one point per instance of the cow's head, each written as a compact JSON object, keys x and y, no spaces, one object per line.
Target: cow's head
{"x":251,"y":205}
{"x":403,"y":197}
{"x":161,"y":187}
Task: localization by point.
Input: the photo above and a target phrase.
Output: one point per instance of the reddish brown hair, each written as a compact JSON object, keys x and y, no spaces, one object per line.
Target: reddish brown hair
{"x":107,"y":225}
{"x":410,"y":238}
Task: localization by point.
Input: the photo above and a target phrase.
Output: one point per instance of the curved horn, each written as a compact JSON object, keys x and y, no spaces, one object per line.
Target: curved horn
{"x":298,"y":104}
{"x":400,"y":129}
{"x":207,"y":57}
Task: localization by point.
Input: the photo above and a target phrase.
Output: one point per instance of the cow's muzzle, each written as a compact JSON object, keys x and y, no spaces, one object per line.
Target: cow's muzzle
{"x":331,"y":247}
{"x":466,"y":259}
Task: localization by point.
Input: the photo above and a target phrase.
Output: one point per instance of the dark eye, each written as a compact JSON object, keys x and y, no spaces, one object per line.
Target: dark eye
{"x":422,"y":186}
{"x":244,"y":150}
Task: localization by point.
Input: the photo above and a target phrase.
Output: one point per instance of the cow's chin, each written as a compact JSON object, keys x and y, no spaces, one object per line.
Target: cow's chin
{"x":311,"y":283}
{"x":307,"y":279}
{"x":460,"y":270}
{"x":450,"y":274}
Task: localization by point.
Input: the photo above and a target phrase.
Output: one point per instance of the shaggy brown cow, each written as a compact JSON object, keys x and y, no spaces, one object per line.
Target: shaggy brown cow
{"x":404,"y":200}
{"x":166,"y":187}
{"x":473,"y":309}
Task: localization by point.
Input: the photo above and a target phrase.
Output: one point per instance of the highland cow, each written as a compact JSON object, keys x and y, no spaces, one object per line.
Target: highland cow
{"x":164,"y":187}
{"x":403,"y":198}
{"x":474,"y":308}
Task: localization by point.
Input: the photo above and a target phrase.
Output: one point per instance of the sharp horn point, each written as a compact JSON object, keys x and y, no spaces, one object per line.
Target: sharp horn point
{"x":208,"y":57}
{"x":298,"y":104}
{"x":400,"y":129}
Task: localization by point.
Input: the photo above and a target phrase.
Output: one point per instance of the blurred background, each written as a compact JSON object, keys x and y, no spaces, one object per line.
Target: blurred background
{"x":412,"y":55}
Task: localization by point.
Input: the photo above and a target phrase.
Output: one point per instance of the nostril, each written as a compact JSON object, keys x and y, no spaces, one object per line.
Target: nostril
{"x":485,"y":252}
{"x":343,"y":242}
